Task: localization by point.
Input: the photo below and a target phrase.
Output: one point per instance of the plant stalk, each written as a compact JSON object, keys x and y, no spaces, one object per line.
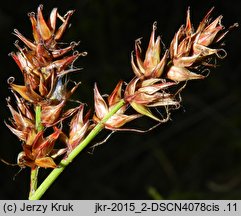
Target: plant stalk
{"x":65,"y":162}
{"x":34,"y":170}
{"x":33,"y":180}
{"x":38,"y":124}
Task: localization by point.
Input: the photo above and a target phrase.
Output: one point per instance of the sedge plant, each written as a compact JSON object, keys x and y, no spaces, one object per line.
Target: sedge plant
{"x":52,"y":135}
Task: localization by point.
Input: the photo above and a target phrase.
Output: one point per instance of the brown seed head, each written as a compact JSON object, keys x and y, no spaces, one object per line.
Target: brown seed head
{"x":190,"y":49}
{"x":43,"y":60}
{"x":101,"y":109}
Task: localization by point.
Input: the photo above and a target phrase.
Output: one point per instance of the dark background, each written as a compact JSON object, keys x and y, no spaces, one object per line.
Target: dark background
{"x":197,"y":155}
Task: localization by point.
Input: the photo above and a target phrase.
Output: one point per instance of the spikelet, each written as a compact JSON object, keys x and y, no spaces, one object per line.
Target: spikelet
{"x":44,"y":62}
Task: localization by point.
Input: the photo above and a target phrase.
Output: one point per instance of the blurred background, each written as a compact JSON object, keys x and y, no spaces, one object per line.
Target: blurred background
{"x":197,"y":155}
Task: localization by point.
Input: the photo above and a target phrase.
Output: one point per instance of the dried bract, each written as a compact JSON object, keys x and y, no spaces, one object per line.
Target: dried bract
{"x":101,"y":109}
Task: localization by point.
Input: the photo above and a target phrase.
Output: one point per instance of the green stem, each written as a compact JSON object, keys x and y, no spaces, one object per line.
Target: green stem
{"x":33,"y":180}
{"x":38,"y":124}
{"x":34,"y":170}
{"x":65,"y":162}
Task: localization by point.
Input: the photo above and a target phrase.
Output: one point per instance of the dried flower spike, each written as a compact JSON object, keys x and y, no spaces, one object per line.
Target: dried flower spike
{"x":39,"y":118}
{"x":44,"y":64}
{"x":156,"y":74}
{"x":42,"y":61}
{"x":101,"y":109}
{"x":190,"y":49}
